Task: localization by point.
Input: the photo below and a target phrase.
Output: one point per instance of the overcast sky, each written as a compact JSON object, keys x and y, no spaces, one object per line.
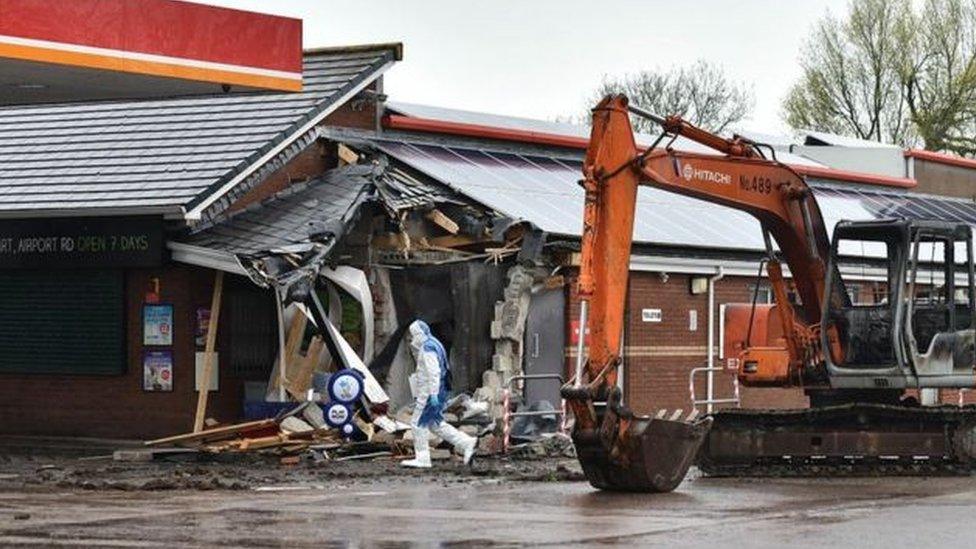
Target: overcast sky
{"x":542,"y":58}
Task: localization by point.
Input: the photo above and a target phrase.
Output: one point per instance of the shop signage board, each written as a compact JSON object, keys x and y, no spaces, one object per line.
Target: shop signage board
{"x":77,"y":50}
{"x":106,"y":242}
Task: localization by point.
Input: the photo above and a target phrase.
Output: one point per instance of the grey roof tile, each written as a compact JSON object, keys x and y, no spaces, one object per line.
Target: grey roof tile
{"x":170,"y":152}
{"x":330,"y":201}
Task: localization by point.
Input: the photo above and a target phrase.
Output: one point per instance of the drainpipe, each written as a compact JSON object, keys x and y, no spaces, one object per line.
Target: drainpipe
{"x":711,"y":337}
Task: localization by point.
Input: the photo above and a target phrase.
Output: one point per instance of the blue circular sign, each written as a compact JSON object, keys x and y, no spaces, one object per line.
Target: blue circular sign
{"x":337,"y":414}
{"x":346,"y":386}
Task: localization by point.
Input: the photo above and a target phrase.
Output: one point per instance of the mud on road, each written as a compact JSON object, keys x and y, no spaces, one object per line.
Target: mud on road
{"x":60,"y":499}
{"x":48,"y":468}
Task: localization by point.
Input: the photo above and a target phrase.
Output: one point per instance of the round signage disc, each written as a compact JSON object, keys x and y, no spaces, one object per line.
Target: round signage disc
{"x":337,"y":414}
{"x":346,"y":386}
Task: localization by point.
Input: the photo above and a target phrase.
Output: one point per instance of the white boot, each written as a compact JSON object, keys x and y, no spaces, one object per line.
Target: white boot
{"x":421,"y":450}
{"x":462,"y":443}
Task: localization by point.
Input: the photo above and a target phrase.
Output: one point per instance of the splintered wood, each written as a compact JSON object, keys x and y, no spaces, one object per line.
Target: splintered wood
{"x":299,"y":367}
{"x":266,"y":434}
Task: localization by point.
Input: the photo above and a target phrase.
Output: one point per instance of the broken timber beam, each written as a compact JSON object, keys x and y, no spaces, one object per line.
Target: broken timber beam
{"x":218,"y":432}
{"x":301,"y":381}
{"x":347,"y":155}
{"x":208,"y":356}
{"x":440,"y":219}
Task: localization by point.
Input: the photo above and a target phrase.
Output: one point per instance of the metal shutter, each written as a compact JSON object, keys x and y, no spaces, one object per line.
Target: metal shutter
{"x":62,"y":322}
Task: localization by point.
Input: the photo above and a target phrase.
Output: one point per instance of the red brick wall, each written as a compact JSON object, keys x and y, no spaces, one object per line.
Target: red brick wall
{"x":116,"y":406}
{"x":356,"y":113}
{"x":659,"y":356}
{"x":313,"y":161}
{"x":307,"y":164}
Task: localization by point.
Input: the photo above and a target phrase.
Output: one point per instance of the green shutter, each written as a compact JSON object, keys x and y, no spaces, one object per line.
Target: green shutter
{"x":62,"y":322}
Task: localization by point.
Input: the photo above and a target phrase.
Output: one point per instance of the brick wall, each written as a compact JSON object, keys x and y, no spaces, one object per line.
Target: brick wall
{"x":314,"y":161}
{"x":938,"y":178}
{"x":659,"y":356}
{"x":116,"y":406}
{"x":307,"y":164}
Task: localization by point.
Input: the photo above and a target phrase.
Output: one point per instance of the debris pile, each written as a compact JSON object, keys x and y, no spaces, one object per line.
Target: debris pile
{"x":296,"y":431}
{"x":305,"y":430}
{"x":549,"y":445}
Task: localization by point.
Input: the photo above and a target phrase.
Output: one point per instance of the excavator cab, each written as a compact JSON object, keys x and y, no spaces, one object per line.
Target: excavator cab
{"x":906,"y":320}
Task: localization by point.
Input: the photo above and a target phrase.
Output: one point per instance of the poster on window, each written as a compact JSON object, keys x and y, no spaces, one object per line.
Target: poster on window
{"x":157,"y":324}
{"x":203,"y":324}
{"x":157,"y":371}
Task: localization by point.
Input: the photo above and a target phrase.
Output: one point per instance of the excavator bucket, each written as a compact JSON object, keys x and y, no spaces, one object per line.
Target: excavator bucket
{"x":646,"y":455}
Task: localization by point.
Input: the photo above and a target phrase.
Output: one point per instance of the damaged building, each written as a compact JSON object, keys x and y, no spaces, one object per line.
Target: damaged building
{"x":320,"y":224}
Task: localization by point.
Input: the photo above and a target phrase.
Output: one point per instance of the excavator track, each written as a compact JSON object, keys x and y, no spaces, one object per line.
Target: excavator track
{"x":844,"y":440}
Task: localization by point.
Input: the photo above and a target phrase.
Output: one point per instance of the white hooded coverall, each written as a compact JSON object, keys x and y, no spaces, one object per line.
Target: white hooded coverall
{"x":424,"y":383}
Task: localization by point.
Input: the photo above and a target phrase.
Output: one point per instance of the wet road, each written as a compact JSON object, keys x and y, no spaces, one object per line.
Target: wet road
{"x":900,"y":512}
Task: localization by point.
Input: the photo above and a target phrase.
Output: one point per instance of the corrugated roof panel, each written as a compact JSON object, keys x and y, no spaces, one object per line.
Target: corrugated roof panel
{"x":545,"y":190}
{"x":173,"y":151}
{"x":556,"y":128}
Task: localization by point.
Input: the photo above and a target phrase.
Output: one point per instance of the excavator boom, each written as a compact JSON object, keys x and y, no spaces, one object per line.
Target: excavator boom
{"x":614,"y":168}
{"x":622,"y":450}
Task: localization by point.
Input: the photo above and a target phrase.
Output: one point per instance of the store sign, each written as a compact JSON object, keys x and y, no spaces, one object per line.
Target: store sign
{"x":651,"y":315}
{"x":81,"y":242}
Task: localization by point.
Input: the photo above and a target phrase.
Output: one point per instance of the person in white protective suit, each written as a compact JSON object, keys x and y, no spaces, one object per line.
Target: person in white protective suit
{"x":430,"y":385}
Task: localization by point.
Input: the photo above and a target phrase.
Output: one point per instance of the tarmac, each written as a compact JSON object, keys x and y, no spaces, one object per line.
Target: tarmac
{"x":447,"y":508}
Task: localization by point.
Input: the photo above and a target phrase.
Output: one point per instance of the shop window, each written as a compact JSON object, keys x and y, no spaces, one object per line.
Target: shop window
{"x":62,"y":322}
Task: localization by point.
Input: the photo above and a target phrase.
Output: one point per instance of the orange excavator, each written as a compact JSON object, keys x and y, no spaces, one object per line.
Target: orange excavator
{"x":856,"y":359}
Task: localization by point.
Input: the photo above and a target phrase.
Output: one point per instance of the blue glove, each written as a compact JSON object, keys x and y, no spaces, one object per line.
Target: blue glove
{"x":434,"y":400}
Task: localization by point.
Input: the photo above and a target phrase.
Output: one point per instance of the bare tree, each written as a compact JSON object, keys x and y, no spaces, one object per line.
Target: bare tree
{"x":888,"y":72}
{"x":939,"y":75}
{"x":700,"y":93}
{"x":852,"y":83}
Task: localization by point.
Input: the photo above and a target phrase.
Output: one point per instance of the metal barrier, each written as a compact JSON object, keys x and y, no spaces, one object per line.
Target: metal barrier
{"x":709,"y":402}
{"x":508,"y":414}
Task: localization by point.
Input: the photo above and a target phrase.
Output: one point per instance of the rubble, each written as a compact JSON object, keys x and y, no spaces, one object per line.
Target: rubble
{"x":284,"y":435}
{"x":292,"y":434}
{"x":548,"y":445}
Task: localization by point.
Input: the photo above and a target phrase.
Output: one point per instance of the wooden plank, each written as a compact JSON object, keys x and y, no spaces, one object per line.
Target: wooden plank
{"x":212,"y":433}
{"x":296,"y":331}
{"x":299,"y":383}
{"x":208,"y":357}
{"x":347,"y":155}
{"x":441,"y":220}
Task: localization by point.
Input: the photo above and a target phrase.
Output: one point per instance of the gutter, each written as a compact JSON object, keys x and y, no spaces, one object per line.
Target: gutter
{"x":168,"y":212}
{"x":205,"y":257}
{"x":426,"y":125}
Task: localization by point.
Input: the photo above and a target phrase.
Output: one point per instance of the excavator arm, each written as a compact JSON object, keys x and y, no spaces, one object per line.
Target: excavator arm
{"x":614,"y":168}
{"x":738,"y":177}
